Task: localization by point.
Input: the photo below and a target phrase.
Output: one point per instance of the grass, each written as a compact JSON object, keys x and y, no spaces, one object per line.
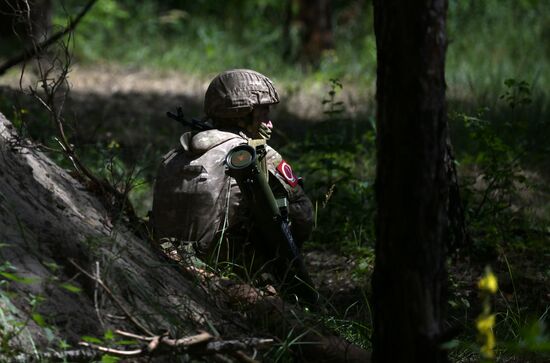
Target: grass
{"x":493,"y":40}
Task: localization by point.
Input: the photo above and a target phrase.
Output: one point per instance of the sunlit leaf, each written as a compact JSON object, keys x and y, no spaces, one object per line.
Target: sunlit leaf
{"x":93,"y":340}
{"x":39,"y":319}
{"x":109,"y":335}
{"x":71,"y":288}
{"x":109,"y":359}
{"x":127,"y":342}
{"x":19,"y":279}
{"x":63,"y":345}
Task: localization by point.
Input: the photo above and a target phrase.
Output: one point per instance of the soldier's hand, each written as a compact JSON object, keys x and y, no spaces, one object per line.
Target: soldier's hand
{"x":265,"y":130}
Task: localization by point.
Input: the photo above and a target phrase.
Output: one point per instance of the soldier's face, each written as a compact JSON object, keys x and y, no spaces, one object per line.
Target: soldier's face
{"x":260,"y":115}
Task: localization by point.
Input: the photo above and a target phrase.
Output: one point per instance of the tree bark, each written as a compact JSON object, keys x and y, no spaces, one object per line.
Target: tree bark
{"x":315,"y":17}
{"x":411,"y":183}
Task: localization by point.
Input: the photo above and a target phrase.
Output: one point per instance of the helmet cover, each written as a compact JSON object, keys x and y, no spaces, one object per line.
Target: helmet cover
{"x":234,"y":93}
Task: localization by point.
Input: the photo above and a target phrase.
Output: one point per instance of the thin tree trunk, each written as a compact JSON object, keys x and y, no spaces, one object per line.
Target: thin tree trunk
{"x":411,"y":184}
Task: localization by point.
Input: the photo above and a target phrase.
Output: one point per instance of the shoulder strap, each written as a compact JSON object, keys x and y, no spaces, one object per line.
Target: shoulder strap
{"x":261,"y":152}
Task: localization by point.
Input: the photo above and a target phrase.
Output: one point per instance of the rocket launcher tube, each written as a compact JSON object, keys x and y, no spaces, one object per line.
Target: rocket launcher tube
{"x":242,"y":164}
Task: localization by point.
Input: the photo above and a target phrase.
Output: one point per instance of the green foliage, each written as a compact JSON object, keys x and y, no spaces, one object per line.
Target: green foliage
{"x":489,"y":41}
{"x":533,"y":338}
{"x":501,"y":170}
{"x":365,"y":261}
{"x":17,"y":278}
{"x":282,"y":352}
{"x":494,"y":177}
{"x":517,"y":94}
{"x":10,"y":327}
{"x":207,"y":36}
{"x":39,"y":319}
{"x":71,"y":288}
{"x":109,"y":359}
{"x":14,"y":324}
{"x":336,"y":108}
{"x":355,"y":332}
{"x":108,"y":339}
{"x":90,"y":339}
{"x":337,"y":161}
{"x":14,"y":332}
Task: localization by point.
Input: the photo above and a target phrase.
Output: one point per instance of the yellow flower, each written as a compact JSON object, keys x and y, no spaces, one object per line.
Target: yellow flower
{"x":488,"y":348}
{"x":485,"y":323}
{"x":113,"y":145}
{"x":488,"y":282}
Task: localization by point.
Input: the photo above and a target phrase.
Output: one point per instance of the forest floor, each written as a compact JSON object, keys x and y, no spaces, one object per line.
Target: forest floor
{"x":522,"y":300}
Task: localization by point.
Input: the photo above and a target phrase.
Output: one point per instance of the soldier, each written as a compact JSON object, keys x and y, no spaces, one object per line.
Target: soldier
{"x":196,"y":203}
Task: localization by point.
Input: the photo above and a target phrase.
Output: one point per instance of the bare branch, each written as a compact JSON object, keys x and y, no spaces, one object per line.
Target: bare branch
{"x":96,"y":300}
{"x":35,"y":50}
{"x":133,"y":336}
{"x":113,"y":297}
{"x":201,"y":344}
{"x":188,"y":341}
{"x":115,"y":352}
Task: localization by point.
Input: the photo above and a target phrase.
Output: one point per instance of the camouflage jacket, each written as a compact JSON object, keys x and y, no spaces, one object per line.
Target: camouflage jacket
{"x":195,"y":202}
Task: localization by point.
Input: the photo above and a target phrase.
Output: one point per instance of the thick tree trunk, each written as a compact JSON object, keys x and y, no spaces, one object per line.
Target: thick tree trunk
{"x":411,"y":183}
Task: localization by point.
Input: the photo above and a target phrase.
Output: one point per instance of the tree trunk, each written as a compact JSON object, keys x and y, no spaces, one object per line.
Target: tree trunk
{"x":411,"y":183}
{"x":315,"y":17}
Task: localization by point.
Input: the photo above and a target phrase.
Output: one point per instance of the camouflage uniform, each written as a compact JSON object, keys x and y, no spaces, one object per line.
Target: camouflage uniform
{"x":196,"y":203}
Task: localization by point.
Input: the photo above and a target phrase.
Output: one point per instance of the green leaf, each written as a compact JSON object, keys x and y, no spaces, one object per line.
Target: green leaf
{"x":509,"y":82}
{"x":50,"y":336}
{"x":63,"y":345}
{"x":93,"y":340}
{"x":16,"y":278}
{"x":71,"y":288}
{"x":52,"y":266}
{"x":109,"y":335}
{"x":109,"y":359}
{"x":39,"y":319}
{"x":451,"y":344}
{"x":127,"y":342}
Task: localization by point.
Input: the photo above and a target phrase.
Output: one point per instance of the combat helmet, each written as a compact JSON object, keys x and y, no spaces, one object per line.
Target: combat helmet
{"x":234,"y":93}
